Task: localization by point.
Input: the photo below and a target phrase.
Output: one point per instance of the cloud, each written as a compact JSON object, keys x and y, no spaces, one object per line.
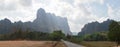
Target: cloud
{"x":113,"y":13}
{"x":16,"y":10}
{"x":81,"y":14}
{"x":25,"y":2}
{"x":78,"y":12}
{"x":102,"y":1}
{"x":7,"y":6}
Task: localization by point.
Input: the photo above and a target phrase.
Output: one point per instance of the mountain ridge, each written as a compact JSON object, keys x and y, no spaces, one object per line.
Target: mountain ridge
{"x":44,"y":22}
{"x":93,"y":27}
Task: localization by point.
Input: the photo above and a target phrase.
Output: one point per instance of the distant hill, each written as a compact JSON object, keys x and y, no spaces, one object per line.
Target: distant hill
{"x":45,"y":22}
{"x":74,"y":33}
{"x":95,"y":27}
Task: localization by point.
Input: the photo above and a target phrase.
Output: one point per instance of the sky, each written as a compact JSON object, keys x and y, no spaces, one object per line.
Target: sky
{"x":78,"y":12}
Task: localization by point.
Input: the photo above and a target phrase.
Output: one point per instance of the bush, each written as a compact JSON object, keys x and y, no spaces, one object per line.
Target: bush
{"x":57,"y":35}
{"x":100,"y":36}
{"x":74,"y":39}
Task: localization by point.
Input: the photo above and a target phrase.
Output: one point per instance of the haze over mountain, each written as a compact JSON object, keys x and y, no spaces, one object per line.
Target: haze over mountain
{"x":95,"y":27}
{"x":45,"y":22}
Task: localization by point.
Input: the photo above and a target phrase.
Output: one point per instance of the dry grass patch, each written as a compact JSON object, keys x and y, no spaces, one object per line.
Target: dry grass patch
{"x":61,"y":44}
{"x":28,"y":44}
{"x":98,"y":44}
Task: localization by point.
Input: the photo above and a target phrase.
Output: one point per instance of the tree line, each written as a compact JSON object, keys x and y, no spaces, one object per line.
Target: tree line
{"x":32,"y":35}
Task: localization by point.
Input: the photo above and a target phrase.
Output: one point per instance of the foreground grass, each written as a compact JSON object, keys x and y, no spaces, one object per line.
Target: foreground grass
{"x":29,"y":44}
{"x":98,"y":44}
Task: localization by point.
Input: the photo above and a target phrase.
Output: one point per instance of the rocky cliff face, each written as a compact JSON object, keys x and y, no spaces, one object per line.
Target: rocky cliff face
{"x":48,"y":22}
{"x":95,"y":27}
{"x":45,"y":22}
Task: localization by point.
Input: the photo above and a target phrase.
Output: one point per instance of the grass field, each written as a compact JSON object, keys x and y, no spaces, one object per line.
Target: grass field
{"x":98,"y":44}
{"x":29,"y":44}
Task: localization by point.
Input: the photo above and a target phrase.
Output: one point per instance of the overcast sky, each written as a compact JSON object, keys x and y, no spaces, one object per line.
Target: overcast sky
{"x":78,"y":12}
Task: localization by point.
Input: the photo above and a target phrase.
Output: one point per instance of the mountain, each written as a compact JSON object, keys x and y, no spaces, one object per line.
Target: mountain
{"x":5,"y":26}
{"x":44,"y":22}
{"x":95,"y":27}
{"x":48,"y":22}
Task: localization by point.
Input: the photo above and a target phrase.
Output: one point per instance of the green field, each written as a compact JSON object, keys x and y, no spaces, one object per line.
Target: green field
{"x":98,"y":44}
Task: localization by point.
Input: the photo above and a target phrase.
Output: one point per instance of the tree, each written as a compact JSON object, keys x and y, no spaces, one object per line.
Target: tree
{"x":114,"y":32}
{"x":57,"y":35}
